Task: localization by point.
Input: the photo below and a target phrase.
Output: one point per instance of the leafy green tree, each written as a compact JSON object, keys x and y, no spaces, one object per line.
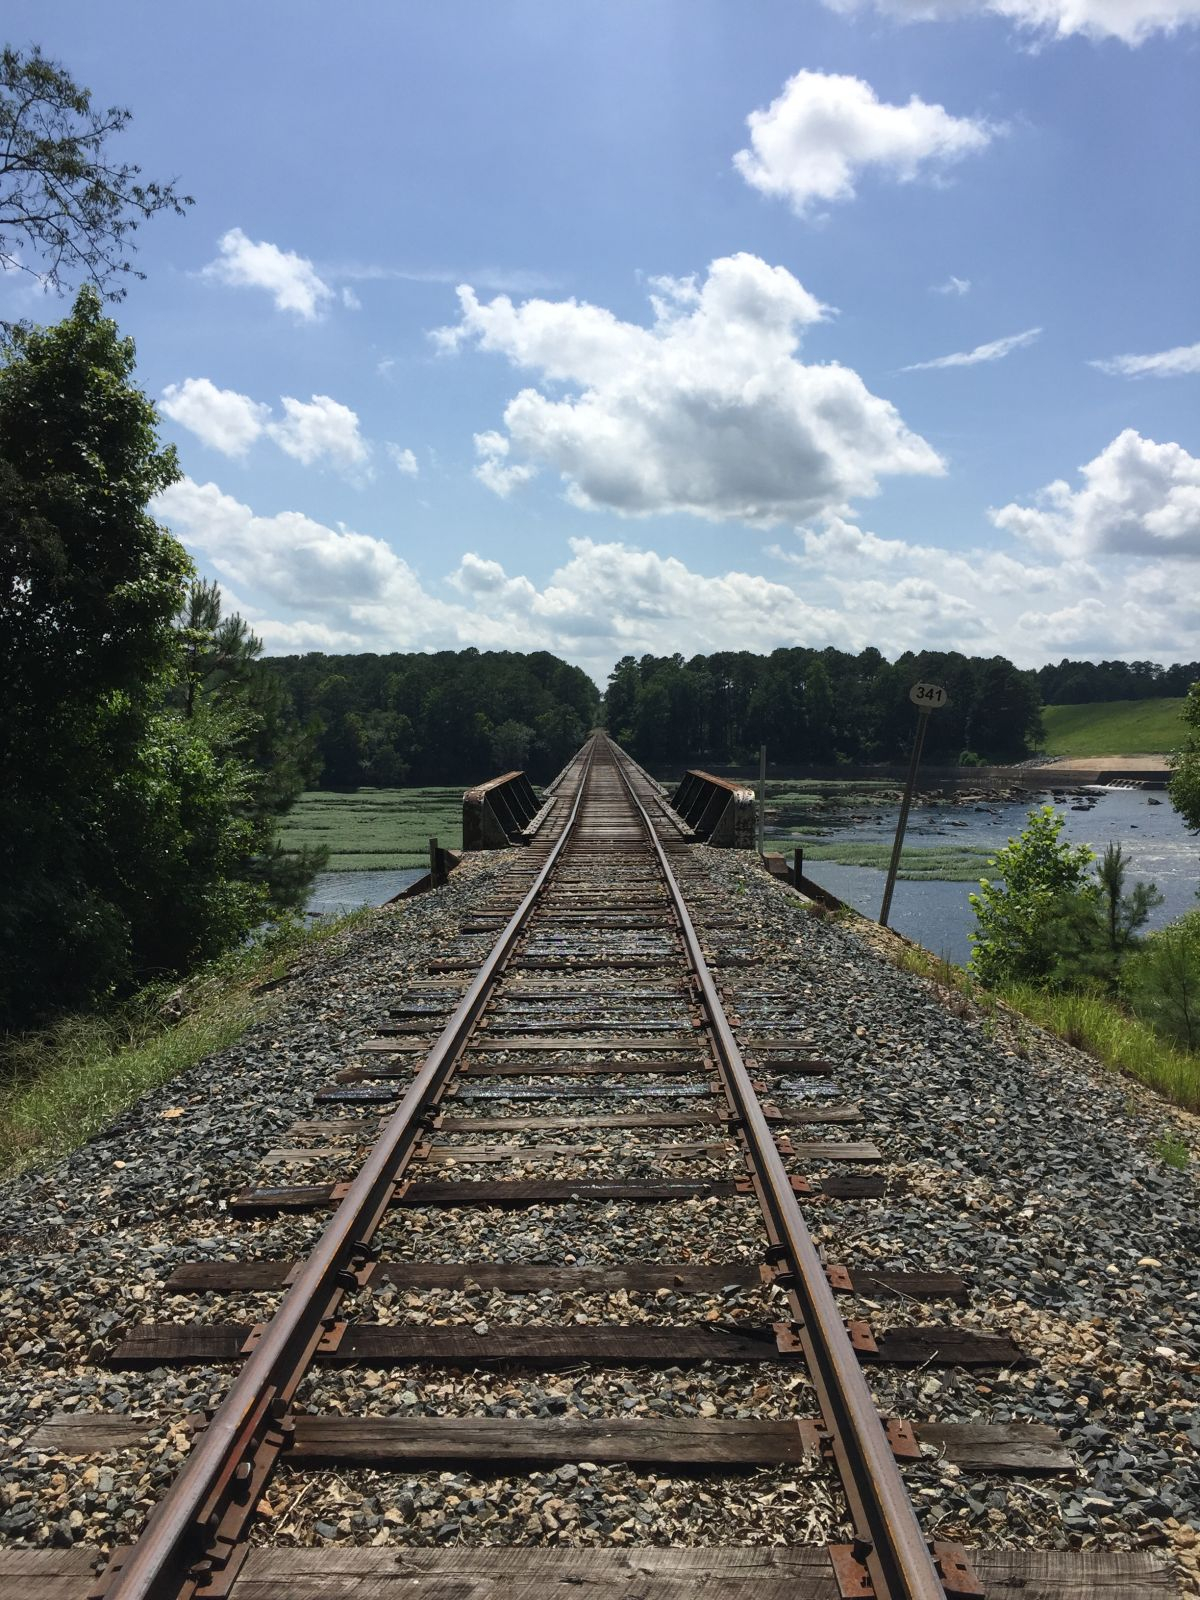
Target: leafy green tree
{"x":1184,"y":787}
{"x":63,"y":196}
{"x":265,"y":758}
{"x":1042,"y":885}
{"x":142,"y":762}
{"x":1161,"y":980}
{"x":89,"y":587}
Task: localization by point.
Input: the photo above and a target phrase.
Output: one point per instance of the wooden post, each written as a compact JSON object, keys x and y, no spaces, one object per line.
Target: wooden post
{"x":797,"y":866}
{"x":435,"y":863}
{"x":902,"y":823}
{"x":762,"y":794}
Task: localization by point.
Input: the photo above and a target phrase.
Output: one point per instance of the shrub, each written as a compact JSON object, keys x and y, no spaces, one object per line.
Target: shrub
{"x":1161,"y":981}
{"x":1043,"y":892}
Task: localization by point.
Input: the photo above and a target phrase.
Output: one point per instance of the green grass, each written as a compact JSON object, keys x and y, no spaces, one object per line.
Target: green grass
{"x":63,"y":1084}
{"x":375,"y":830}
{"x":1113,"y":728}
{"x":918,"y":863}
{"x":1090,"y":1022}
{"x":1173,"y":1150}
{"x":1104,"y":1030}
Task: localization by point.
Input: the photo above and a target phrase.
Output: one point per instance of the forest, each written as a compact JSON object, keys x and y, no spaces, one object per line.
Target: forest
{"x":819,"y":707}
{"x":1073,"y":683}
{"x":447,"y":716}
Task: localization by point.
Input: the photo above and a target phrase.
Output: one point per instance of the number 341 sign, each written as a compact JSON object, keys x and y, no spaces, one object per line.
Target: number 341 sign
{"x":929,"y":696}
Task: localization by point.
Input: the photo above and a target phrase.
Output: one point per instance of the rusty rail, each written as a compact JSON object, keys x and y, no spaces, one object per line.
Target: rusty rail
{"x":196,"y":1530}
{"x":889,"y":1543}
{"x":195,"y":1541}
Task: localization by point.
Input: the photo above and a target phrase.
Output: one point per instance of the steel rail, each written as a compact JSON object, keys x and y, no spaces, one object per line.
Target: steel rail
{"x":222,"y":1466}
{"x":890,"y":1543}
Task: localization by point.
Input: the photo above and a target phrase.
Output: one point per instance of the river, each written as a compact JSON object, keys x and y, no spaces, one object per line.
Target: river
{"x":934,"y":913}
{"x":938,"y":914}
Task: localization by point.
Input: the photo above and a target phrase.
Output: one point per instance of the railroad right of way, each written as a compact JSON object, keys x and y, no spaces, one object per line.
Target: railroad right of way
{"x":1014,"y":1265}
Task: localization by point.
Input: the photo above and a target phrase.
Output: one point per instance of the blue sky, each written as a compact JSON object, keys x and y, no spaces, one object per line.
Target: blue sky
{"x":606,"y":328}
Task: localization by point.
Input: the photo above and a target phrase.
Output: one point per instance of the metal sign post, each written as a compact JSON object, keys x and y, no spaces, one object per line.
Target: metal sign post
{"x":926,"y":697}
{"x":762,"y":794}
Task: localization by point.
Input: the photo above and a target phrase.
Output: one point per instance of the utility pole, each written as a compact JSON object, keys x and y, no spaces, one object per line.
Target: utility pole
{"x":762,"y":794}
{"x":926,"y":697}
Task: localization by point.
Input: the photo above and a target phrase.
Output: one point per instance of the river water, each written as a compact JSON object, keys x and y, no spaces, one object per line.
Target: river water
{"x":935,"y":914}
{"x":938,"y":914}
{"x":335,"y":893}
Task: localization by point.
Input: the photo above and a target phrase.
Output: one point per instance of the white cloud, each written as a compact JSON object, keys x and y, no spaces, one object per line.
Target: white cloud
{"x":1131,"y":21}
{"x":953,"y":285}
{"x":288,"y":558}
{"x":291,"y":280}
{"x":223,"y":419}
{"x":707,"y":411}
{"x":492,"y":469}
{"x":350,"y":300}
{"x":824,"y":129}
{"x":319,"y":429}
{"x":1138,"y":498}
{"x":403,"y":460}
{"x":306,"y":586}
{"x":995,"y":350}
{"x":1183,"y":359}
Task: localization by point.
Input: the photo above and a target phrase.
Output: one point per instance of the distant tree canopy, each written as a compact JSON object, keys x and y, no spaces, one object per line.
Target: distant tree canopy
{"x":817,"y":706}
{"x":1071,"y":683}
{"x":448,"y":717}
{"x":67,"y":208}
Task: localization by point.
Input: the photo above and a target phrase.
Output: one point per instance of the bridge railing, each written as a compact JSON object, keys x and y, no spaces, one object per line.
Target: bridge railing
{"x":718,"y":811}
{"x":503,"y":811}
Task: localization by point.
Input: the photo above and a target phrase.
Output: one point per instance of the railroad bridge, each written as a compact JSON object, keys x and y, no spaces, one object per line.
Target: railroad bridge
{"x":603,"y":1007}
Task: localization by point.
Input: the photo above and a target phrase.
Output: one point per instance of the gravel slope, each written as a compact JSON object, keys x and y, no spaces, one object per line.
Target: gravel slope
{"x":1028,"y":1167}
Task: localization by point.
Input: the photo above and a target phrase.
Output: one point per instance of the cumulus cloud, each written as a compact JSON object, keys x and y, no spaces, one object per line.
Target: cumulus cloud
{"x":953,"y":285}
{"x":319,"y":429}
{"x":290,"y":279}
{"x":223,"y":419}
{"x":1183,"y":359}
{"x":288,"y":558}
{"x":824,"y":129}
{"x":493,"y":468}
{"x":995,"y":350}
{"x":312,"y":431}
{"x":1131,"y":21}
{"x":1137,"y":497}
{"x":708,"y":410}
{"x":307,"y":586}
{"x":403,"y":460}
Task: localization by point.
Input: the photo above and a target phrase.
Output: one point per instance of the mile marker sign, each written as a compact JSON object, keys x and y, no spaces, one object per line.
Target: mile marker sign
{"x":929,"y":696}
{"x":926,"y":697}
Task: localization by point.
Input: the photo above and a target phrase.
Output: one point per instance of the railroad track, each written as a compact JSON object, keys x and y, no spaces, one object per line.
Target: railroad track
{"x":604,"y":1012}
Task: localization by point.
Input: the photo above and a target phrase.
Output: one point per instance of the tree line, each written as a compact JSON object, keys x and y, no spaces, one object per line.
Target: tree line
{"x":1070,"y":683}
{"x":819,"y":706}
{"x":451,"y":716}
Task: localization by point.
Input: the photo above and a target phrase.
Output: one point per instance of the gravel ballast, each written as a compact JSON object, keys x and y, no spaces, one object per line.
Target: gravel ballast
{"x":1025,"y":1165}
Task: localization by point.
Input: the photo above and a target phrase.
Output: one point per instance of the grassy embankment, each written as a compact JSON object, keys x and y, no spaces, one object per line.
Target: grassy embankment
{"x":1113,"y":728}
{"x":1091,"y":1022}
{"x":63,"y":1084}
{"x":375,"y":830}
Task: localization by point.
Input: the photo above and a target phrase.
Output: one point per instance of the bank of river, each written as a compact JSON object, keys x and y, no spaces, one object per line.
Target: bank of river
{"x":848,"y":818}
{"x":938,"y":914}
{"x":335,"y":893}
